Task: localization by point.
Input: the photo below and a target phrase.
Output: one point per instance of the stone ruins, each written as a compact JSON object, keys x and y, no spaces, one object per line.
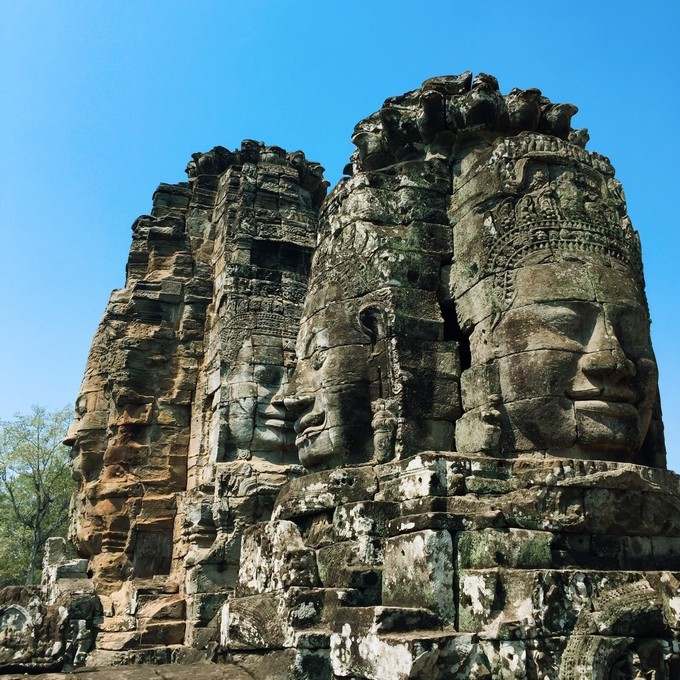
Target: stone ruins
{"x":410,"y":429}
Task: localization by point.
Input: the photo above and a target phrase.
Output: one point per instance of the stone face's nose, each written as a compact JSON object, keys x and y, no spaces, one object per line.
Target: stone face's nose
{"x":279,"y":397}
{"x":297,"y":403}
{"x":605,"y":358}
{"x":72,"y":432}
{"x":608,"y":363}
{"x":71,"y":435}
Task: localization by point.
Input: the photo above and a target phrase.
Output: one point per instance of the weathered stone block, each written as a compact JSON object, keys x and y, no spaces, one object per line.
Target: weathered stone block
{"x":414,"y":477}
{"x":324,"y":490}
{"x":211,"y":577}
{"x":553,"y":509}
{"x":386,"y":619}
{"x":153,"y":607}
{"x":287,"y":664}
{"x":665,"y":553}
{"x":340,"y":564}
{"x":514,"y":548}
{"x":275,"y":620}
{"x":163,"y":633}
{"x":509,"y":604}
{"x":418,"y":572}
{"x":203,"y":607}
{"x":274,"y":557}
{"x":117,"y":642}
{"x":476,"y":432}
{"x":358,"y":653}
{"x":365,"y":518}
{"x":407,"y":524}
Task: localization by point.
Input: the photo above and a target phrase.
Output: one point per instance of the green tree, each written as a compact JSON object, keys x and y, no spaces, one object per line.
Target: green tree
{"x":35,"y":489}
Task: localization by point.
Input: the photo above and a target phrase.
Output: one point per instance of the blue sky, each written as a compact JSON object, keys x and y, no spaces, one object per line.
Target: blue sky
{"x":104,"y":100}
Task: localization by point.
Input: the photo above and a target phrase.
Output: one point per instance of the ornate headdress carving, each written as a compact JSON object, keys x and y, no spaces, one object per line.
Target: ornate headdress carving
{"x":543,"y":222}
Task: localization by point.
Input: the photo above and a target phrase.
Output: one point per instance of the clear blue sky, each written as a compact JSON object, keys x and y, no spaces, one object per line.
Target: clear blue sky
{"x":101,"y":101}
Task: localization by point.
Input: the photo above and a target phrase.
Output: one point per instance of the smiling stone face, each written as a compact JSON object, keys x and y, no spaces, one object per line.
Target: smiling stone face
{"x":258,"y":423}
{"x":330,"y":389}
{"x":548,"y":284}
{"x":577,"y":376}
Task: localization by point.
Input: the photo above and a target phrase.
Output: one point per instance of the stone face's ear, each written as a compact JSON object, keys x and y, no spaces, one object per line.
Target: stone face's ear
{"x":373,"y":323}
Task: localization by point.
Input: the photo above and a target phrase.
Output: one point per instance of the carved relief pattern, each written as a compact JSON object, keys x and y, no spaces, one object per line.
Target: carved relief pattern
{"x":411,"y":430}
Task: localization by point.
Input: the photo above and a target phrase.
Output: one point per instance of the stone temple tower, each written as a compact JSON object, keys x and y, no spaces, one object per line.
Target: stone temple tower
{"x":408,"y":430}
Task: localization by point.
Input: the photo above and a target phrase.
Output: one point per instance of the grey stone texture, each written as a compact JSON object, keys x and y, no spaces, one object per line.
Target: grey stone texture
{"x":409,"y":430}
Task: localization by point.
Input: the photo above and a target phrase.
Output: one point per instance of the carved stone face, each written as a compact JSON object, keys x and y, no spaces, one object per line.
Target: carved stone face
{"x":573,"y":363}
{"x":548,"y":282}
{"x":104,"y":483}
{"x":87,"y":433}
{"x":258,"y":420}
{"x":330,"y":388}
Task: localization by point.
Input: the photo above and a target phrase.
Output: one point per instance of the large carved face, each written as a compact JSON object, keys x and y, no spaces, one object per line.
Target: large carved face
{"x":101,"y":449}
{"x":548,"y":283}
{"x":258,"y":420}
{"x":87,"y":432}
{"x":330,"y":388}
{"x":573,"y":361}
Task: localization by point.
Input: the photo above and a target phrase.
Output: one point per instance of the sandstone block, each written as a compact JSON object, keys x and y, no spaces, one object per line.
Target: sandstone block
{"x":324,"y":490}
{"x":350,"y":563}
{"x":514,"y":548}
{"x":365,"y":518}
{"x":418,"y":572}
{"x":287,"y":664}
{"x":274,"y":557}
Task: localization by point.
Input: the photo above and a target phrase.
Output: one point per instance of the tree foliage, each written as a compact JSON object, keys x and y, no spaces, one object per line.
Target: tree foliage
{"x":35,"y":489}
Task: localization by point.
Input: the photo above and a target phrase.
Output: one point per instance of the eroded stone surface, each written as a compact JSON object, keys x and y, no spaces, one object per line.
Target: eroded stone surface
{"x":522,"y":319}
{"x":202,"y":671}
{"x":411,"y":431}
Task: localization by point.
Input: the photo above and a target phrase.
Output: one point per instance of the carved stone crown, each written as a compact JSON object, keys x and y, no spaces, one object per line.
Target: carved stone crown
{"x":537,"y":228}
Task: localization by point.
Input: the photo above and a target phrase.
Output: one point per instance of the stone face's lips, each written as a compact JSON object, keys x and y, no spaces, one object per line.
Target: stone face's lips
{"x":276,"y":422}
{"x":609,"y":394}
{"x":615,"y":409}
{"x":309,"y":425}
{"x":272,"y":416}
{"x":309,"y":420}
